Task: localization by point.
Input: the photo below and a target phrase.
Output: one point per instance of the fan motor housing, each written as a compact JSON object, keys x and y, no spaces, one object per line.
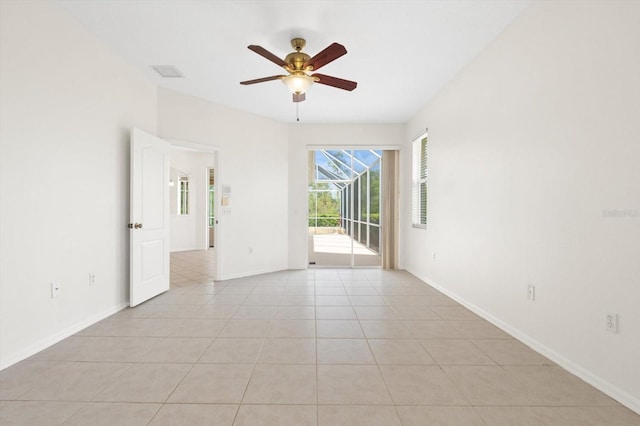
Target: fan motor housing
{"x":296,"y":60}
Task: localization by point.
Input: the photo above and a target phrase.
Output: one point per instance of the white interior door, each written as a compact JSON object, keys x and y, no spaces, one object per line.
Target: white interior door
{"x":149,"y":221}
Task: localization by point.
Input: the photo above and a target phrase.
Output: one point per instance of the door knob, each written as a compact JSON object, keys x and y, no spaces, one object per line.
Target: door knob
{"x":137,"y":226}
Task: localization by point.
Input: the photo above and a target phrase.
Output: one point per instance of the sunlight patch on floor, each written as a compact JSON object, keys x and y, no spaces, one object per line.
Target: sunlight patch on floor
{"x":339,"y":243}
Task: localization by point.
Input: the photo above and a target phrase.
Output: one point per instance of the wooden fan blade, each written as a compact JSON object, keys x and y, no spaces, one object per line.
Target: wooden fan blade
{"x":268,"y":55}
{"x":330,"y":54}
{"x":262,"y":80}
{"x":299,"y":97}
{"x":335,"y":82}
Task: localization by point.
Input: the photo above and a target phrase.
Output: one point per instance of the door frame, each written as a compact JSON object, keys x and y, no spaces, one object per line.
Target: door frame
{"x":215,"y":151}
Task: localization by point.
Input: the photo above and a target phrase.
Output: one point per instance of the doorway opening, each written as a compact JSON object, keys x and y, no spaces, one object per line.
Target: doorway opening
{"x":192,"y":211}
{"x":344,"y":206}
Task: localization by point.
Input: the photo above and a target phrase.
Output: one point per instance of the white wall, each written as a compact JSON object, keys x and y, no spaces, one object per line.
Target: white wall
{"x":189,"y":232}
{"x":528,"y":146}
{"x":66,"y":107}
{"x":303,"y":136}
{"x":252,"y":160}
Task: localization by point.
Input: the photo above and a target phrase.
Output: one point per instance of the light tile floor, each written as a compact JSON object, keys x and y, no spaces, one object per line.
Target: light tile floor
{"x":314,"y":347}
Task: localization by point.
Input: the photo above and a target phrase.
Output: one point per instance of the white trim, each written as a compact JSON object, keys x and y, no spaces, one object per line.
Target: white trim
{"x":192,"y":146}
{"x":181,"y":249}
{"x":421,"y":135}
{"x":253,"y":273}
{"x":623,"y":397}
{"x":311,"y":147}
{"x":52,"y":340}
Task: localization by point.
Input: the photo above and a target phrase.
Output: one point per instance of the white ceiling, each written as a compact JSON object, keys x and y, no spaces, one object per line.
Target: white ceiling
{"x":401,"y":52}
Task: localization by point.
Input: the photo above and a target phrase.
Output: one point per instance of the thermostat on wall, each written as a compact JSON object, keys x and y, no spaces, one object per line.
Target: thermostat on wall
{"x":226,"y":195}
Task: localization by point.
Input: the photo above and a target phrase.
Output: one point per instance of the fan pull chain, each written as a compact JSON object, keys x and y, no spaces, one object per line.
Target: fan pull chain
{"x":297,"y":111}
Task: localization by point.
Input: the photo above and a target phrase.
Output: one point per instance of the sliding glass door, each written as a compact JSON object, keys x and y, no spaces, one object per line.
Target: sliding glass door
{"x":344,"y":208}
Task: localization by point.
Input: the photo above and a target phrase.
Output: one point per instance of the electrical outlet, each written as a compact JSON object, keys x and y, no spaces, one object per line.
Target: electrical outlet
{"x":531,"y":292}
{"x":434,"y":256}
{"x":56,"y":290}
{"x":92,"y":279}
{"x":612,"y":322}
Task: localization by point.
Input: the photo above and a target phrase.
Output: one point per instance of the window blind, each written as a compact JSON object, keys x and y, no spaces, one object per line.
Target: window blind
{"x":419,"y":182}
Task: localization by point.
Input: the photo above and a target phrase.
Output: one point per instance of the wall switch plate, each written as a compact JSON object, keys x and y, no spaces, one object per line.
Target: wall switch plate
{"x":612,"y":322}
{"x":434,"y":256}
{"x":531,"y":292}
{"x":92,"y":279}
{"x":56,"y":290}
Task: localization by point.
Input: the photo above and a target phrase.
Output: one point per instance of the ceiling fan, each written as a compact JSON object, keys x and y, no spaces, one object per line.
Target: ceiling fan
{"x":299,"y":66}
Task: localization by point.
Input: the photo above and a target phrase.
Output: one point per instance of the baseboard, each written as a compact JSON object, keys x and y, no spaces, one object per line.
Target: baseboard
{"x":597,"y":382}
{"x":181,"y":249}
{"x":251,"y":273}
{"x":52,"y":340}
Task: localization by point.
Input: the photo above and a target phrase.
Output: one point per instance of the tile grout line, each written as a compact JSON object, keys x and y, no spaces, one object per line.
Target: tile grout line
{"x":386,"y":386}
{"x":315,"y":308}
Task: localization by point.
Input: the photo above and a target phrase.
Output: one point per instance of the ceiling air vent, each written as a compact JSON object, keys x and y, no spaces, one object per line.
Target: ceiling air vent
{"x":167,"y":71}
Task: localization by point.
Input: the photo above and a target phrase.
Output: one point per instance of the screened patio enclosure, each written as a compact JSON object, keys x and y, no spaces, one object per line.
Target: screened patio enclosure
{"x":344,"y":207}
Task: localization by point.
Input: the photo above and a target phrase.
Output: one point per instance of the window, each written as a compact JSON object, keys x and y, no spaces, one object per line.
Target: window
{"x":419,"y":183}
{"x":212,"y":203}
{"x":212,"y":199}
{"x":183,"y":195}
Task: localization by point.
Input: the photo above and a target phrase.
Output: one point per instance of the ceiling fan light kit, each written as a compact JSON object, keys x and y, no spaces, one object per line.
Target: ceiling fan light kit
{"x":299,"y":65}
{"x":298,"y":83}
